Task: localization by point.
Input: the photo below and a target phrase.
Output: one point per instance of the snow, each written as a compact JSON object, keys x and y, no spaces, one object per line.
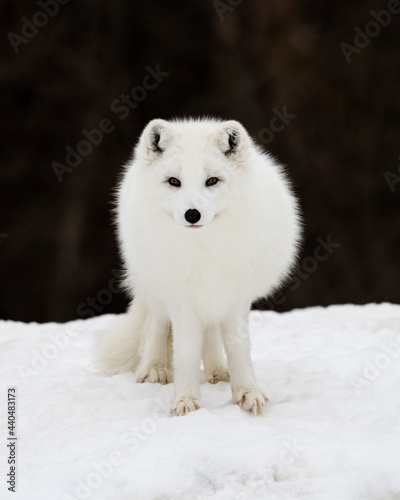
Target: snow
{"x":332,"y":430}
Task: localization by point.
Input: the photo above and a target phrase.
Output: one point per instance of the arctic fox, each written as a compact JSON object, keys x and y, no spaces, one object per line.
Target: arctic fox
{"x":207,"y":223}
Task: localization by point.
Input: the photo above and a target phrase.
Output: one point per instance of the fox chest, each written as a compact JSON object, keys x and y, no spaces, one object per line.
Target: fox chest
{"x":212,"y":284}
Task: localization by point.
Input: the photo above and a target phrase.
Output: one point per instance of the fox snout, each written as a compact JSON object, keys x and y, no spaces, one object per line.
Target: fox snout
{"x":192,"y":216}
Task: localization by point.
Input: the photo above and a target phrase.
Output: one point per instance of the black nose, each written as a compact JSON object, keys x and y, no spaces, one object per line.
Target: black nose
{"x":192,"y":215}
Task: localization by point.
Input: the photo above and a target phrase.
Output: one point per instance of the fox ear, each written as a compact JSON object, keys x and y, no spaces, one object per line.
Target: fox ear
{"x":231,"y":138}
{"x":156,"y":137}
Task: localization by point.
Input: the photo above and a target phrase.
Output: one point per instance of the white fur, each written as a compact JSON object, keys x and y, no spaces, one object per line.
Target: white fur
{"x":202,"y":280}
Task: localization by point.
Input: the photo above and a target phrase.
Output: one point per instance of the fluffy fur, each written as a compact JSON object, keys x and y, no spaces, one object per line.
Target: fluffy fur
{"x":196,"y":282}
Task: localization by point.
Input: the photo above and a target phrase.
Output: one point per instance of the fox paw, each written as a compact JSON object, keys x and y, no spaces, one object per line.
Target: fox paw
{"x":219,"y":374}
{"x":152,"y":374}
{"x":252,"y":400}
{"x":182,"y":406}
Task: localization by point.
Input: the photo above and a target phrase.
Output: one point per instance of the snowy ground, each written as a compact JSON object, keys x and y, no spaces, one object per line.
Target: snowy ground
{"x":332,"y":431}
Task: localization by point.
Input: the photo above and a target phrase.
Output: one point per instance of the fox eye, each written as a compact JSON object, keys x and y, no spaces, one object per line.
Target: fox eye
{"x":173,"y":181}
{"x":212,"y":181}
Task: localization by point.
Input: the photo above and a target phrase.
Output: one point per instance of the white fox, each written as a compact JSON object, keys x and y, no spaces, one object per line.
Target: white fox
{"x":207,"y":223}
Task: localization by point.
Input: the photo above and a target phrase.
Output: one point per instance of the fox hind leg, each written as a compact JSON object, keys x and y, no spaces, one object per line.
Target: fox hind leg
{"x":215,"y":369}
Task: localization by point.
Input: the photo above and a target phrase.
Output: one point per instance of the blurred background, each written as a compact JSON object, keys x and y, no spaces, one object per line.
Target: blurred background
{"x":317,"y":83}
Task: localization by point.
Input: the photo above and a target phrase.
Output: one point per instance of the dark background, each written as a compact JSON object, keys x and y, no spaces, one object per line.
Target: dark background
{"x":57,"y":242}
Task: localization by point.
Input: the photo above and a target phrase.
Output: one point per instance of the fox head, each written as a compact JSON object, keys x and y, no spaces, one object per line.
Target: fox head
{"x":194,"y":169}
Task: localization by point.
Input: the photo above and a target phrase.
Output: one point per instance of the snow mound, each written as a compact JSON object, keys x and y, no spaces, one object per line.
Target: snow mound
{"x":332,"y":430}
